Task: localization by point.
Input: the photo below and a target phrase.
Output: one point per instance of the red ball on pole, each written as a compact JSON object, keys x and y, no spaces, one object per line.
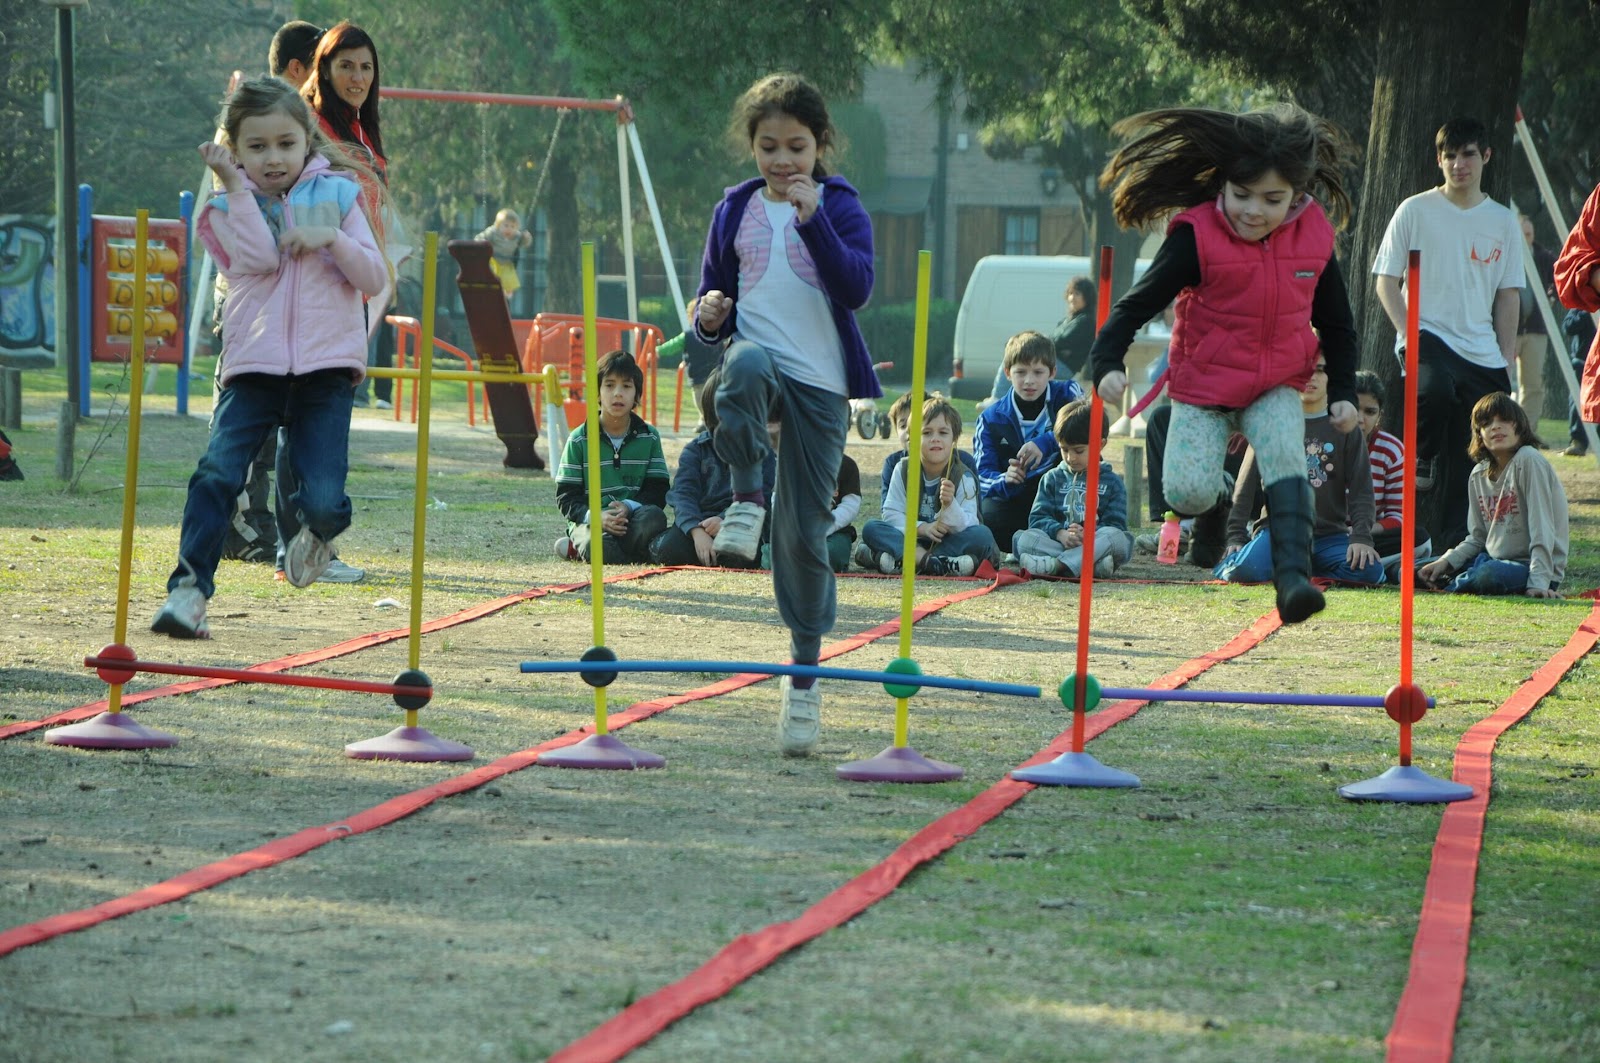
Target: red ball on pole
{"x":111,"y":673}
{"x":1405,"y":703}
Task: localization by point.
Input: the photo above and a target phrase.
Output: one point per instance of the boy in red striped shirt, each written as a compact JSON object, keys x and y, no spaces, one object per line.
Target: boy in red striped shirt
{"x":1387,"y":457}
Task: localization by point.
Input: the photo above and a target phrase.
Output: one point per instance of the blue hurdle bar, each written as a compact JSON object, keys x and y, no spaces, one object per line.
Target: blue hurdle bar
{"x":906,"y":679}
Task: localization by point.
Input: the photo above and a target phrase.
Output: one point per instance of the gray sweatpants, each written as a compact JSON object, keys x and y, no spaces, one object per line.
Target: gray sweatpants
{"x":810,"y":447}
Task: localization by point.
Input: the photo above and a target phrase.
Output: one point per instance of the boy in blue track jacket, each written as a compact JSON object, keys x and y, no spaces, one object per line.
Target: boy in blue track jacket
{"x":1013,"y":442}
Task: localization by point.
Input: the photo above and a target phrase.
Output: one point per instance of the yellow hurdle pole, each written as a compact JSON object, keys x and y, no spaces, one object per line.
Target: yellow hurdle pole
{"x":419,"y":507}
{"x":597,"y":552}
{"x":908,"y":564}
{"x":130,"y":487}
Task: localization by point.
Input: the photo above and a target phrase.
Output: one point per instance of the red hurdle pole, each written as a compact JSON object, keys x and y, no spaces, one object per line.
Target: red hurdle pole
{"x":1080,"y":691}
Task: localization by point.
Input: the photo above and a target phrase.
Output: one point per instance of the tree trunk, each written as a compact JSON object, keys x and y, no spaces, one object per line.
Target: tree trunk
{"x":564,"y":293}
{"x":1434,"y":63}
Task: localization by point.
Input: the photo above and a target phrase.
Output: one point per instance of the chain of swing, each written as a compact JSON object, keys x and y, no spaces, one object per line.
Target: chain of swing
{"x":483,"y":163}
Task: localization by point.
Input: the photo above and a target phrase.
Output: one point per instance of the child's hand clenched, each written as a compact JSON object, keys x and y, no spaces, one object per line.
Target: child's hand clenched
{"x":220,"y":160}
{"x":712,"y":310}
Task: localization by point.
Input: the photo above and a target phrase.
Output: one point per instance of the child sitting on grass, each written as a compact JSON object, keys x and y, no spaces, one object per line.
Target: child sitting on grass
{"x":1014,"y":443}
{"x":1341,"y":493}
{"x":1386,"y":456}
{"x":900,"y":416}
{"x":1517,"y":513}
{"x":633,"y":473}
{"x":950,"y":541}
{"x":1052,"y":543}
{"x":701,"y":492}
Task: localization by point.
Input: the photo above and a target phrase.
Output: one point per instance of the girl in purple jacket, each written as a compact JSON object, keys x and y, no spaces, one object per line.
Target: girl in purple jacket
{"x":1249,"y":258}
{"x":289,"y":234}
{"x":788,"y":262}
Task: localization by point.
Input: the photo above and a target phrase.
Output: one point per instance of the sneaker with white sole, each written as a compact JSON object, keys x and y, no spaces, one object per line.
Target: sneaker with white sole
{"x":800,"y":719}
{"x":740,"y":534}
{"x":959,"y":565}
{"x":863,"y":557}
{"x":1040,"y":565}
{"x":1105,"y":567}
{"x":888,"y":564}
{"x":183,"y":615}
{"x":339,"y":572}
{"x":565,"y":550}
{"x":306,"y":559}
{"x":383,"y":404}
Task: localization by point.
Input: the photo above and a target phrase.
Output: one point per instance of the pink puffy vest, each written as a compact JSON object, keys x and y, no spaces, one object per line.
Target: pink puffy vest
{"x":1246,"y":327}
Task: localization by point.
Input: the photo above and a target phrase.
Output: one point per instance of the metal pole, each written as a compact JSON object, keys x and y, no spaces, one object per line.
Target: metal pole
{"x":66,"y":208}
{"x":66,"y":244}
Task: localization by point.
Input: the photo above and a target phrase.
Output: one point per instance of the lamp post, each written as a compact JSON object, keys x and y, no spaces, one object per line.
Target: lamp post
{"x":66,"y":235}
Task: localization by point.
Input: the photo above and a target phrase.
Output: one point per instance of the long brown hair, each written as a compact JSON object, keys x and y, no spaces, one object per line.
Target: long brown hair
{"x":1497,"y":405}
{"x":1182,"y":156}
{"x":318,"y":89}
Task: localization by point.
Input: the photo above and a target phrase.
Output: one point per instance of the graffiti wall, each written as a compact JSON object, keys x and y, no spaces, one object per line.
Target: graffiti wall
{"x":27,"y":285}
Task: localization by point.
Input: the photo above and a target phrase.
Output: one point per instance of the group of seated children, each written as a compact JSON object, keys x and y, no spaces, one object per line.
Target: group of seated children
{"x":1517,"y":517}
{"x":1024,"y":490}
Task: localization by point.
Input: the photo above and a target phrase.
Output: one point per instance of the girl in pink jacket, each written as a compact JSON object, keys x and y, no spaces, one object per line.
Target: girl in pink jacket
{"x":1249,"y":259}
{"x":289,"y":234}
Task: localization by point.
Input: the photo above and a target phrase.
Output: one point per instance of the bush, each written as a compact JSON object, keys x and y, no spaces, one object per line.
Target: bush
{"x":890,"y":332}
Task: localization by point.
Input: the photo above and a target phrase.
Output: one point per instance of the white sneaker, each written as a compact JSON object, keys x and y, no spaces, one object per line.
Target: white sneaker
{"x":740,"y":534}
{"x":183,"y":615}
{"x":888,"y":564}
{"x":959,"y":565}
{"x":800,"y":719}
{"x":1040,"y":564}
{"x":306,"y":559}
{"x":565,"y":550}
{"x":1105,"y":567}
{"x":339,"y":572}
{"x":383,"y":404}
{"x":862,"y":556}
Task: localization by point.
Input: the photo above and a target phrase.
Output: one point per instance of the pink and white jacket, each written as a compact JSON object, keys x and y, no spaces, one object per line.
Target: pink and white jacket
{"x":287,"y":316}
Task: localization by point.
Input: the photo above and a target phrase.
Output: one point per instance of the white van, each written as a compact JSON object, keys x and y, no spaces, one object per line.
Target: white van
{"x":1008,"y":294}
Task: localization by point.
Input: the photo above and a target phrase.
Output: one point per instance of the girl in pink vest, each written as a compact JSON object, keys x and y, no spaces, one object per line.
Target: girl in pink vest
{"x":1249,"y":259}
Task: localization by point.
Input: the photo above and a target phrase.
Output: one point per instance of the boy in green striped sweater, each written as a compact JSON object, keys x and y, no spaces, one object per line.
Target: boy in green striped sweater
{"x":633,"y":473}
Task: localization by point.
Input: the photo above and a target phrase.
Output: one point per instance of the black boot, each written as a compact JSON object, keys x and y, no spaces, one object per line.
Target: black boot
{"x":1290,"y":518}
{"x":1209,"y":539}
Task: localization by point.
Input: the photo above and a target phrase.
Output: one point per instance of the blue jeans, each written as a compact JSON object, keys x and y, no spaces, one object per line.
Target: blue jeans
{"x":977,"y":542}
{"x":1485,"y":575}
{"x":315,"y":412}
{"x":1252,"y":562}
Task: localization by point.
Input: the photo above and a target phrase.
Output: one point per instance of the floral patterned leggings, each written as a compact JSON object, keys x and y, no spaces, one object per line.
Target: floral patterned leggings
{"x":1191,"y":473}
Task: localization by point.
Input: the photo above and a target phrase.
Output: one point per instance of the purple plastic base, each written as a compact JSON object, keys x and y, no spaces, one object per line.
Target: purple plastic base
{"x":898,"y":764}
{"x":409,"y":743}
{"x":605,"y":752}
{"x":110,"y":730}
{"x":1409,"y":784}
{"x":1076,"y":769}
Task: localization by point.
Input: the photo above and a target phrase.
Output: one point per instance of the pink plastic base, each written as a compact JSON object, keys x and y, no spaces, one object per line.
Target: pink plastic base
{"x":1407,"y":784}
{"x":1077,"y":769}
{"x":898,"y":764}
{"x":110,"y":730}
{"x":604,"y":752}
{"x":409,"y":743}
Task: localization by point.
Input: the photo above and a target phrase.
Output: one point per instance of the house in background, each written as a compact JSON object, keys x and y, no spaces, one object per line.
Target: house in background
{"x":931,"y":185}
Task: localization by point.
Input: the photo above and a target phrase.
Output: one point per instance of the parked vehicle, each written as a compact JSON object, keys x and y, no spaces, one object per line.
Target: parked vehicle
{"x":1007,"y":294}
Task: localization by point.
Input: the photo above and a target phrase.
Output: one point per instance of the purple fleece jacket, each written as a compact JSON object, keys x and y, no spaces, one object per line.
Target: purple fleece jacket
{"x":839,"y":237}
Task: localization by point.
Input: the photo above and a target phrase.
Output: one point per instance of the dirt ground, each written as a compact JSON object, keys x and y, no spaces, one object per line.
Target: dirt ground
{"x":505,"y":922}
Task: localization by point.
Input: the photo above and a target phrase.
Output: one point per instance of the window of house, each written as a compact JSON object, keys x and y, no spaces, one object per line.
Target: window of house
{"x":1020,"y":231}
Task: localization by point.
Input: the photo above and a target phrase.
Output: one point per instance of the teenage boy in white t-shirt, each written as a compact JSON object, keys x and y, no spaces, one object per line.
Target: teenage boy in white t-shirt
{"x":1471,"y":278}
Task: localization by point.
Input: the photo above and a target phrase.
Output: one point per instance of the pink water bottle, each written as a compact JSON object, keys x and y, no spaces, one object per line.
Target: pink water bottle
{"x":1167,"y":545}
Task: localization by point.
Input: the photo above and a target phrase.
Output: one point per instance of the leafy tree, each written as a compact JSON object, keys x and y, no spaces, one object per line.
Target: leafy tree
{"x":1054,"y":76}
